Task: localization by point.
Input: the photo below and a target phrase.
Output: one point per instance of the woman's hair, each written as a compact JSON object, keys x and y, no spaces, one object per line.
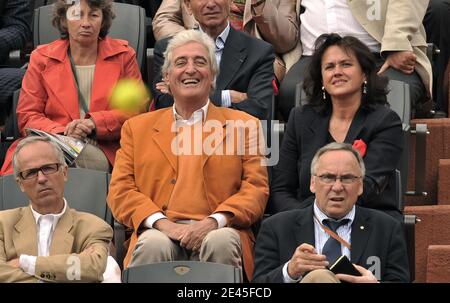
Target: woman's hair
{"x":376,"y":89}
{"x":60,"y":20}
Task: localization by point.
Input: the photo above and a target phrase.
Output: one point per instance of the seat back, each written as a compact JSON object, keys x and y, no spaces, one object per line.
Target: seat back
{"x":182,"y":272}
{"x":129,"y":25}
{"x":85,"y":190}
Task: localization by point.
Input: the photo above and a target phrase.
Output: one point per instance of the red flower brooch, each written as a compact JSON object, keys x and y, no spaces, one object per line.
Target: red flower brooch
{"x":360,"y":146}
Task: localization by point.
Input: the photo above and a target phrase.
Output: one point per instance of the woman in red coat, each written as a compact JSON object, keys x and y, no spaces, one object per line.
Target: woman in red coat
{"x":65,"y":89}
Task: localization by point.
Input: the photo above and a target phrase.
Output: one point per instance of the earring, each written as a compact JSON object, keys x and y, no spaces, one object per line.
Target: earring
{"x":365,"y":87}
{"x":324,"y":96}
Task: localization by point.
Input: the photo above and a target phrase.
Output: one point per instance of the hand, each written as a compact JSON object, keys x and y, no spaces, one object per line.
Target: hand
{"x":305,"y":259}
{"x":367,"y":276}
{"x":404,"y":61}
{"x":195,"y":233}
{"x":237,"y":97}
{"x":163,"y":87}
{"x":14,"y":263}
{"x":173,"y":230}
{"x":79,"y":128}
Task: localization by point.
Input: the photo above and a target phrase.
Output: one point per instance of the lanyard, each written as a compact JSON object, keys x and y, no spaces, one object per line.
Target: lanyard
{"x":333,"y":234}
{"x":81,"y":100}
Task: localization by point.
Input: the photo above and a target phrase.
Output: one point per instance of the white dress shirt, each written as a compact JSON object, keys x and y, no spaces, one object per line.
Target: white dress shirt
{"x":197,"y":116}
{"x":321,"y":236}
{"x":220,"y":44}
{"x":331,"y":16}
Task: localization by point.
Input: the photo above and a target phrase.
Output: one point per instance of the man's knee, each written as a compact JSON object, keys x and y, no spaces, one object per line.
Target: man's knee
{"x":222,"y":239}
{"x":152,"y":246}
{"x":320,"y":276}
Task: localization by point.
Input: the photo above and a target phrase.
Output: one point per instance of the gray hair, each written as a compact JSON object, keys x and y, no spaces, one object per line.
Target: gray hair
{"x":335,"y":146}
{"x":31,"y":140}
{"x":185,"y":37}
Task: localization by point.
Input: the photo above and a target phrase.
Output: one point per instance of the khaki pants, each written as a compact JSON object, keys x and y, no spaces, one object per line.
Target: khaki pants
{"x":220,"y":246}
{"x":92,"y":157}
{"x":320,"y":276}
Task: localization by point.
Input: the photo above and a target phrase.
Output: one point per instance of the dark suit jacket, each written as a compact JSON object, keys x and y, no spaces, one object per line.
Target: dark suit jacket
{"x":382,"y":236}
{"x":14,"y":26}
{"x":307,"y":131}
{"x":246,"y":66}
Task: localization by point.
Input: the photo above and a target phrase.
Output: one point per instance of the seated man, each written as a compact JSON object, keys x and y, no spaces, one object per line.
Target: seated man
{"x":185,"y":204}
{"x":14,"y":32}
{"x":246,"y":63}
{"x":274,"y":21}
{"x":392,"y":29}
{"x":48,"y":241}
{"x":298,"y":245}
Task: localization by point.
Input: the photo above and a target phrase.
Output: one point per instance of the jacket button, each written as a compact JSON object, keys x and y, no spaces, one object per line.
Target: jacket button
{"x":42,"y":276}
{"x":164,"y":208}
{"x":173,"y":181}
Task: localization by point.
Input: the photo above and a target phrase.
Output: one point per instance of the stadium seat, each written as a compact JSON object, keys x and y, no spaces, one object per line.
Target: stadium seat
{"x":182,"y":272}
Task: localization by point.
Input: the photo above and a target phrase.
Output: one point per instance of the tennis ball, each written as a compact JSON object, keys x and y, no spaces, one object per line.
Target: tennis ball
{"x":129,"y":95}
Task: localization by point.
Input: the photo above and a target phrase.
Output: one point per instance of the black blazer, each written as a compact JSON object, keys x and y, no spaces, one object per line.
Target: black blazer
{"x":373,"y":234}
{"x":307,"y":131}
{"x":246,"y":66}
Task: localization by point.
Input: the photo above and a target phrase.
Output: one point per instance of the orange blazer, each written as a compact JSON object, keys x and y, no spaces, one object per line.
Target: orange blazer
{"x":145,"y":167}
{"x":49,"y":98}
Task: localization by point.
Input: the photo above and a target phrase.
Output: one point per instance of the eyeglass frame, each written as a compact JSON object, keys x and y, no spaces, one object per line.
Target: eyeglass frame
{"x":348,"y":181}
{"x":39,"y":169}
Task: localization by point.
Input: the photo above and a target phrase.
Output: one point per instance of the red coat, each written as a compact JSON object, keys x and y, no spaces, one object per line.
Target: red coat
{"x":49,"y":99}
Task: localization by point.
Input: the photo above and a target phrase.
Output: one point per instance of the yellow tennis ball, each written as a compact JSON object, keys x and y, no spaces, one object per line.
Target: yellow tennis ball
{"x":129,"y":95}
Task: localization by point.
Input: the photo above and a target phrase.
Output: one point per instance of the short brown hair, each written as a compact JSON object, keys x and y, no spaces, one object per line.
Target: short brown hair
{"x":59,"y":15}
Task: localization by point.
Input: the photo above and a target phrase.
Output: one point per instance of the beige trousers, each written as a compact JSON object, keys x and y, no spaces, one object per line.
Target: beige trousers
{"x":320,"y":276}
{"x":93,"y":157}
{"x":220,"y":246}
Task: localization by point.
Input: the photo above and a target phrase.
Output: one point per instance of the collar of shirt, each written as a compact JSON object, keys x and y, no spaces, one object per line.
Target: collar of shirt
{"x":321,"y":216}
{"x":222,"y":38}
{"x":198,"y":115}
{"x":37,"y":216}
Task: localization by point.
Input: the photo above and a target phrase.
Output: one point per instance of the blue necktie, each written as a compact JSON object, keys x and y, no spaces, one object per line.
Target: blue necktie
{"x":332,"y":248}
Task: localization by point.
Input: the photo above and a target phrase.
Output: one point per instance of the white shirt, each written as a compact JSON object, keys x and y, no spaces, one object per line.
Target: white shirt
{"x":331,"y":16}
{"x":220,"y":44}
{"x":197,"y":116}
{"x":45,"y":225}
{"x":321,"y":237}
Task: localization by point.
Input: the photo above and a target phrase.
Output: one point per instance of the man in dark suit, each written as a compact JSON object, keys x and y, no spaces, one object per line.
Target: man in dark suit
{"x":14,"y":32}
{"x":296,"y":246}
{"x":246,"y":63}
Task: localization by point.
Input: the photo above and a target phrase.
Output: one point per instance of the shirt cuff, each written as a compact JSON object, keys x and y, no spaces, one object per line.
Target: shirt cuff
{"x":152,"y":219}
{"x":286,"y":277}
{"x":226,"y":98}
{"x":220,"y":218}
{"x":28,"y":264}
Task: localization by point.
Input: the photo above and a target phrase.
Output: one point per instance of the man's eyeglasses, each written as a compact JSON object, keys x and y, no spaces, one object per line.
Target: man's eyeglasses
{"x":32,"y":173}
{"x":330,"y":179}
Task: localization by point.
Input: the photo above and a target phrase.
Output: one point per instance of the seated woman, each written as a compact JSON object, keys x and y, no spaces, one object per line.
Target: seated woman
{"x":65,"y":89}
{"x":346,"y":103}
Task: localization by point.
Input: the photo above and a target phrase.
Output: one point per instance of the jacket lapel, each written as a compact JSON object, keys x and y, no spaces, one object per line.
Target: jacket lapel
{"x":317,"y":128}
{"x":356,"y":126}
{"x":62,"y":88}
{"x":361,"y":230}
{"x":107,"y":73}
{"x":234,"y":54}
{"x":62,"y":241}
{"x":214,"y":118}
{"x":304,"y":229}
{"x":25,"y":234}
{"x":164,"y":135}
